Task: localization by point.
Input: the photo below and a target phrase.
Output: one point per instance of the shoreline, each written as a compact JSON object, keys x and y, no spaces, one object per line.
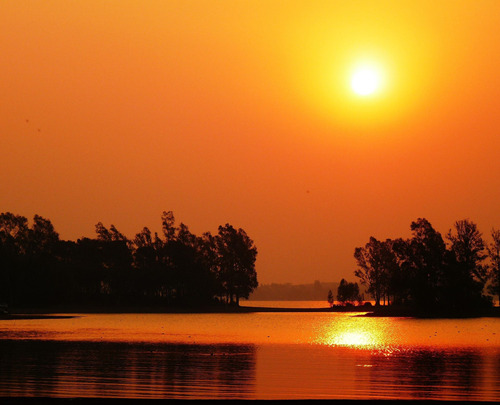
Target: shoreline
{"x":361,"y":311}
{"x":62,"y":311}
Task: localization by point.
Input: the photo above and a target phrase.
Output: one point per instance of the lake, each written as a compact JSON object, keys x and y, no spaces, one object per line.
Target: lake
{"x":267,"y":355}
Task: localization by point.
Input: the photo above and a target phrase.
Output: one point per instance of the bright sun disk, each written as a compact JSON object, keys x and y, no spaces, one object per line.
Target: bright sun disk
{"x":365,"y":81}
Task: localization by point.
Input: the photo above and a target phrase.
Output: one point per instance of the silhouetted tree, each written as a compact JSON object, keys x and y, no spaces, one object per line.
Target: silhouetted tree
{"x":14,"y":235}
{"x":168,"y":221}
{"x":116,"y":262}
{"x":37,"y":268}
{"x":237,"y":255}
{"x":45,"y":276}
{"x":467,"y":274}
{"x":330,"y":298}
{"x":494,"y":271}
{"x":348,"y":292}
{"x":469,"y":248}
{"x":401,"y":271}
{"x":375,"y":261}
{"x":427,"y":260}
{"x":152,"y":275}
{"x":43,"y":236}
{"x":423,"y":272}
{"x":193,"y":275}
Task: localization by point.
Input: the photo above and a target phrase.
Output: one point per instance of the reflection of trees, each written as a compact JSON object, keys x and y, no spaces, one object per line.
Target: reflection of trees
{"x":146,"y":370}
{"x":26,"y":370}
{"x":430,"y":374}
{"x":104,"y":369}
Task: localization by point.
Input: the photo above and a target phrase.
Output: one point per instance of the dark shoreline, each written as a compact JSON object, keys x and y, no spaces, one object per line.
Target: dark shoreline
{"x":58,"y":312}
{"x":71,"y":311}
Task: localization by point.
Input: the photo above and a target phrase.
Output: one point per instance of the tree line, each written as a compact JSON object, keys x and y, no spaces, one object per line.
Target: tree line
{"x":431,"y":273}
{"x":175,"y":268}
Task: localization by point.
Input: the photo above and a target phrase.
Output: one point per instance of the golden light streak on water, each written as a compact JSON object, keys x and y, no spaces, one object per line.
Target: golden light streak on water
{"x":356,"y":339}
{"x":356,"y":332}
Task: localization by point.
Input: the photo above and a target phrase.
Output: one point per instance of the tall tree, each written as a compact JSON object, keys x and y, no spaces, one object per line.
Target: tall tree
{"x":468,"y":273}
{"x":116,"y":262}
{"x":494,"y":255}
{"x":400,"y":276}
{"x":237,"y":254}
{"x":469,"y":248}
{"x":375,"y":262}
{"x":14,"y":237}
{"x":427,"y":262}
{"x":330,"y":298}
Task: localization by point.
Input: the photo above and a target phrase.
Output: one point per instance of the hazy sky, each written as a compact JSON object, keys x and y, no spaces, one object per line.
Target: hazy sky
{"x":241,"y":112}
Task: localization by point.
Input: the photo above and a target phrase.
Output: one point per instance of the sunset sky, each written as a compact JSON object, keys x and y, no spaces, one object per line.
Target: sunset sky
{"x":242,"y":112}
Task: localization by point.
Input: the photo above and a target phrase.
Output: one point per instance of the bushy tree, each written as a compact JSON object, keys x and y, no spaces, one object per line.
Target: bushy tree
{"x":348,"y":293}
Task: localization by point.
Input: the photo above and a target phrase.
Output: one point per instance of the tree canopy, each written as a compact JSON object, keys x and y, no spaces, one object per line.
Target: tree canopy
{"x":428,"y":274}
{"x":176,"y":268}
{"x":348,"y":293}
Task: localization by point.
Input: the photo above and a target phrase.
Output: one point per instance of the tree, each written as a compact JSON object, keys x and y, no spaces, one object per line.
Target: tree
{"x":37,"y":268}
{"x":469,"y":248}
{"x":494,"y":270}
{"x":168,"y":221}
{"x":330,"y":298}
{"x":399,"y":278}
{"x":14,"y":236}
{"x":467,"y":274}
{"x":115,"y":262}
{"x":348,"y":292}
{"x":375,"y":262}
{"x":14,"y":231}
{"x":426,"y":263}
{"x":423,"y":272}
{"x":237,"y":254}
{"x":192,"y":276}
{"x":43,"y":235}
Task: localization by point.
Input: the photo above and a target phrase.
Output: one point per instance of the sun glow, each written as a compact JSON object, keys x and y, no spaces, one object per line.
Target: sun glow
{"x":365,"y":81}
{"x":358,"y":91}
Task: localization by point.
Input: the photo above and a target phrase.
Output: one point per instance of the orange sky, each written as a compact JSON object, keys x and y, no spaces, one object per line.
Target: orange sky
{"x":241,"y":112}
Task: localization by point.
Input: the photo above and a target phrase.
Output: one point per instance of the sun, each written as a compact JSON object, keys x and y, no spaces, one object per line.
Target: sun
{"x":365,"y":81}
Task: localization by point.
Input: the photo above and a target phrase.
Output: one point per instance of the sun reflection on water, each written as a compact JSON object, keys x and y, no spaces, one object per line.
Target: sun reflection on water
{"x":355,"y":339}
{"x":355,"y":332}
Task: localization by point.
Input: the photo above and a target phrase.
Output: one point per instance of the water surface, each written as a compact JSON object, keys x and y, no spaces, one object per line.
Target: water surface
{"x":271,"y":355}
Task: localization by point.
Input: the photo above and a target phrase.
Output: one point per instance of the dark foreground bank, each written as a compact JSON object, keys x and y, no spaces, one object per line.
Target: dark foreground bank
{"x":112,"y":401}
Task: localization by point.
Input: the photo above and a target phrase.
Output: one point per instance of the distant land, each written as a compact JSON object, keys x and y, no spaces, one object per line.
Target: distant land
{"x":317,"y":291}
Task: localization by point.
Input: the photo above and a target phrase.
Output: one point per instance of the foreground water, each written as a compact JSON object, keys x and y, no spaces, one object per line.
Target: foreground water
{"x":251,"y":356}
